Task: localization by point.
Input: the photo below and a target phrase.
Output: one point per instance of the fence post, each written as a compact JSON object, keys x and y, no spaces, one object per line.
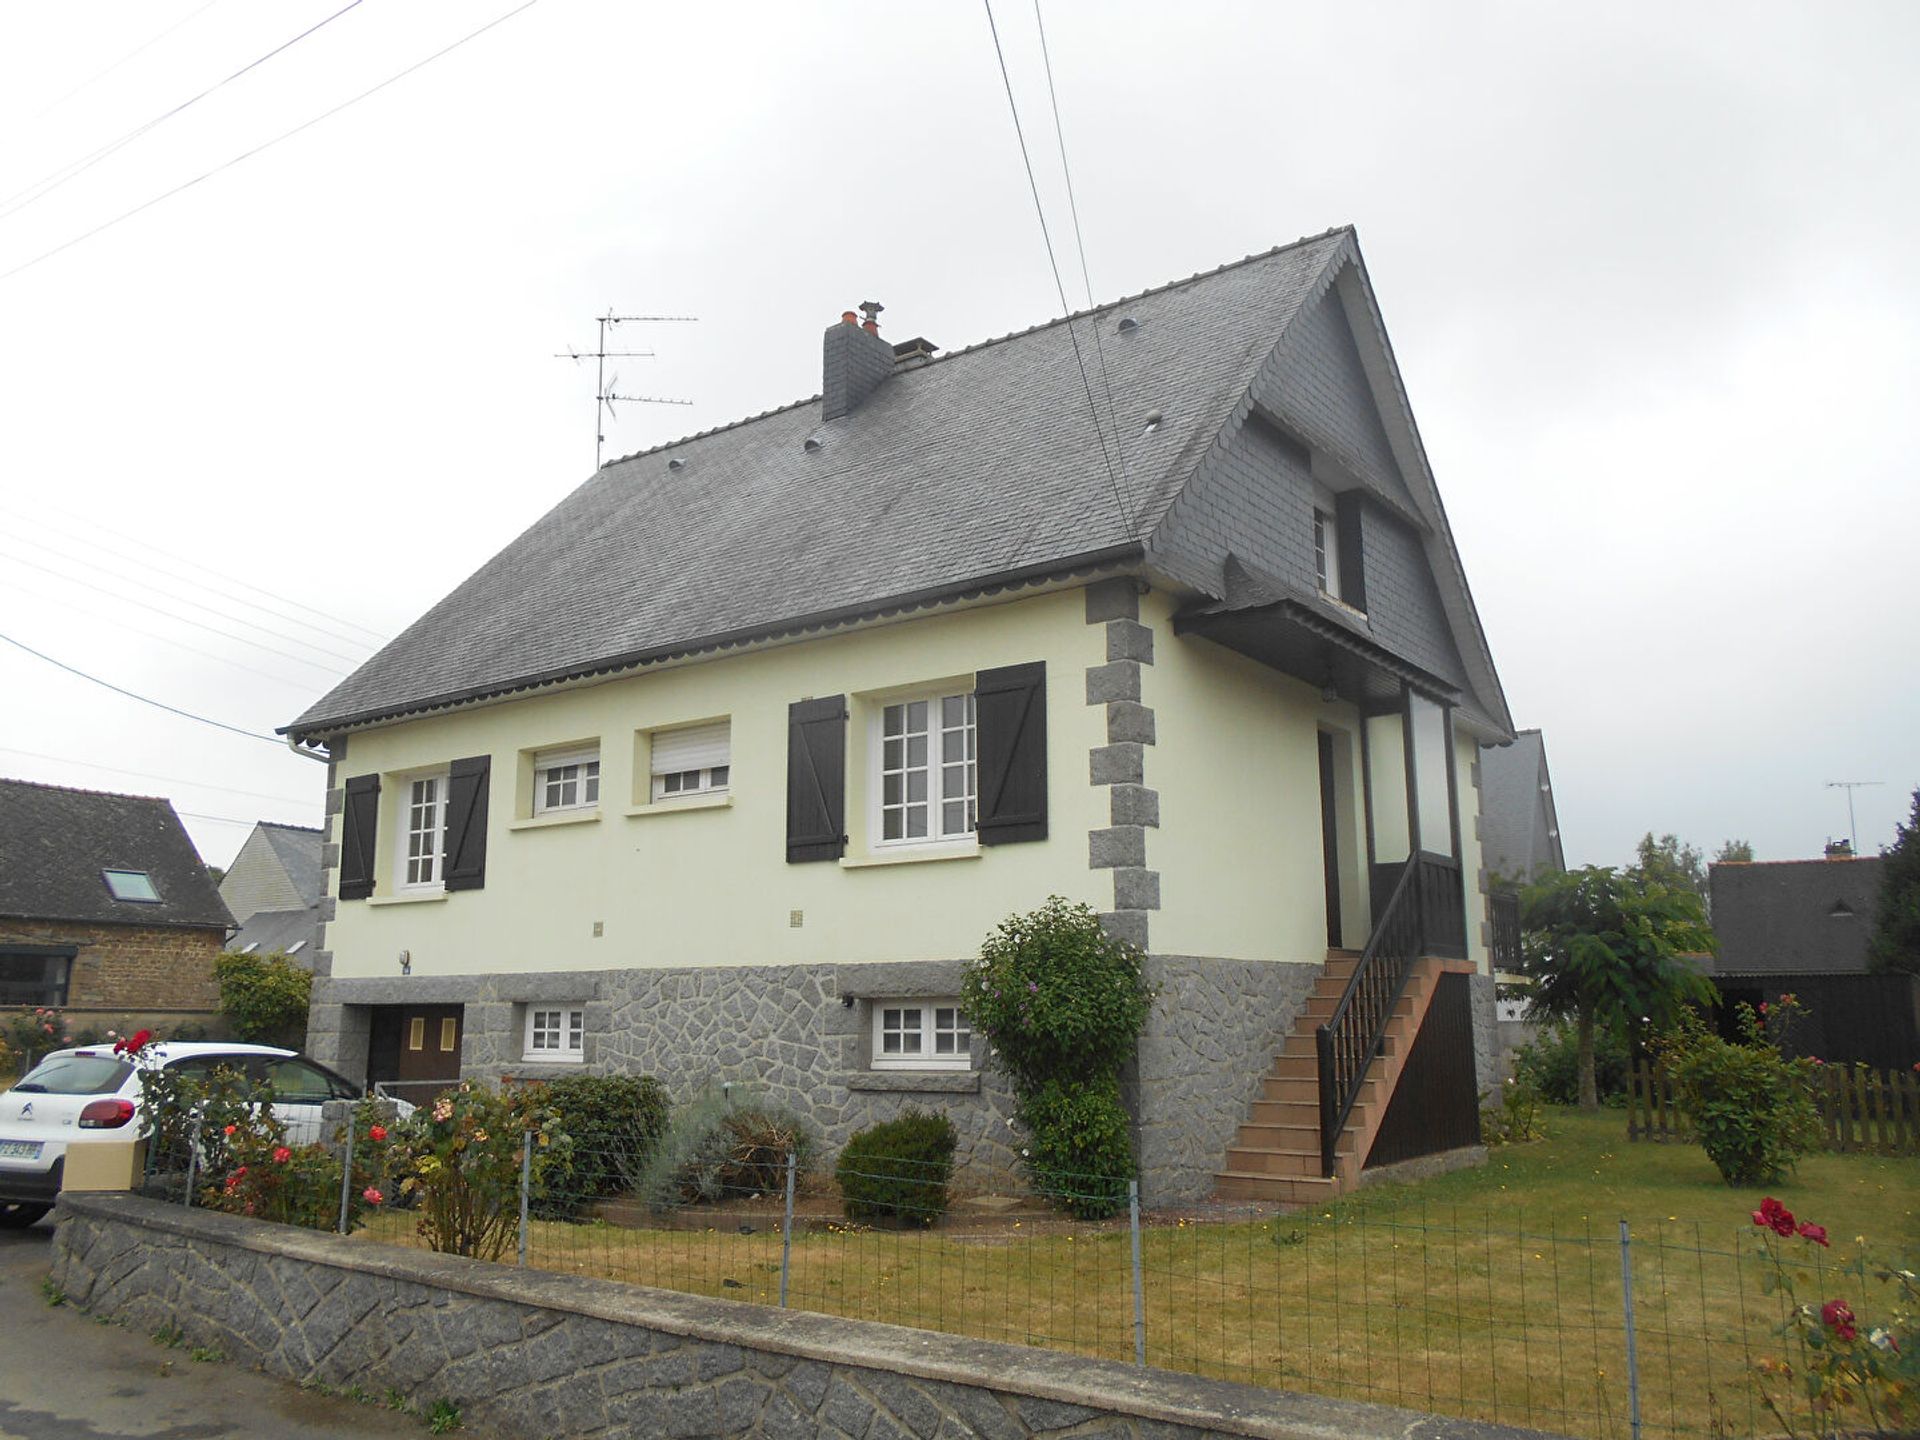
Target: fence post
{"x":526,"y":1184}
{"x":1626,"y":1306}
{"x":786,"y":1234}
{"x":1139,"y":1298}
{"x":193,"y":1157}
{"x":346,"y":1175}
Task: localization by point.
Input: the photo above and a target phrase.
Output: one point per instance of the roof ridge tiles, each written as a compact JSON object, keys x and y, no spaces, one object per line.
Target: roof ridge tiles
{"x":991,"y":340}
{"x":85,"y":790}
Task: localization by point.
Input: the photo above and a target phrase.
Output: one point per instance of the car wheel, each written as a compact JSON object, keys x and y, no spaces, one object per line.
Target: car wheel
{"x":20,"y":1216}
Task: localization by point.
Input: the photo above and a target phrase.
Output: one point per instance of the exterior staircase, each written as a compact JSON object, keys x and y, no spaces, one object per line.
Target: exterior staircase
{"x":1276,"y":1157}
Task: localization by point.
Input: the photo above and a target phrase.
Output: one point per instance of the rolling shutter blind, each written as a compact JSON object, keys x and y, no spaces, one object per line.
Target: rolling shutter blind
{"x":697,"y":747}
{"x":1010,"y":706}
{"x":466,"y":859}
{"x":817,"y":779}
{"x":1353,"y":572}
{"x":359,"y":826}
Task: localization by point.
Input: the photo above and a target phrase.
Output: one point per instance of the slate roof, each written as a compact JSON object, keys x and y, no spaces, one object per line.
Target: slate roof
{"x":1520,"y":828}
{"x":54,"y":842}
{"x":1794,"y":916}
{"x":298,"y":850}
{"x":979,"y":468}
{"x":280,"y":930}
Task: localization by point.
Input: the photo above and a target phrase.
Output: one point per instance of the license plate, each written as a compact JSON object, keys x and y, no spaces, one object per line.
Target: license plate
{"x":20,"y":1149}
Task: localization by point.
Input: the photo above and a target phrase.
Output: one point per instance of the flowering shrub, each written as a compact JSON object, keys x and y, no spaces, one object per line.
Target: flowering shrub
{"x":1751,"y":1107}
{"x":30,"y":1032}
{"x":267,"y":1179}
{"x":1515,"y":1114}
{"x":212,"y":1116}
{"x":1848,"y":1371}
{"x":460,"y":1158}
{"x":1062,"y":1004}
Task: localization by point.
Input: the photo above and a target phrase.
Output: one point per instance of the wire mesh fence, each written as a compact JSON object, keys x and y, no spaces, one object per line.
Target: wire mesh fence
{"x":1588,"y":1330}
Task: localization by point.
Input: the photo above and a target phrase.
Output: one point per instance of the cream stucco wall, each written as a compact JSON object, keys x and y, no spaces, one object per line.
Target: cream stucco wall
{"x":711,"y":886}
{"x":1236,"y":765}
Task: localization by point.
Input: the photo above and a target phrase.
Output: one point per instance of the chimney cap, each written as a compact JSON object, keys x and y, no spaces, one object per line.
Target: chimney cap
{"x":918,"y":348}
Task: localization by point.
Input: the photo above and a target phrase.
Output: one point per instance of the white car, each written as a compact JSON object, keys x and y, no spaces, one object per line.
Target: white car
{"x":89,"y":1095}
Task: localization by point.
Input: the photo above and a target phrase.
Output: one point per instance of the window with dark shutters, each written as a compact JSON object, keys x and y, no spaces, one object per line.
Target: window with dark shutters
{"x":817,"y":779}
{"x":359,"y":825}
{"x":466,"y":855}
{"x":1011,"y":709}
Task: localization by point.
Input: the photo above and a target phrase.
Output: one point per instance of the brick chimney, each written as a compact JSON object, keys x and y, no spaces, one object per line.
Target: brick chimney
{"x":854,"y":362}
{"x":1840,"y":850}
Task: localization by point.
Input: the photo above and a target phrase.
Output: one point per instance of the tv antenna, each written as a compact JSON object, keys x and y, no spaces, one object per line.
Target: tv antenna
{"x":605,"y":385}
{"x":1853,"y":833}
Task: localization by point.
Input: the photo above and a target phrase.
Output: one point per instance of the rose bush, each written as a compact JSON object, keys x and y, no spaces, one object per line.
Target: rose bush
{"x":460,"y":1160}
{"x":1750,"y":1106}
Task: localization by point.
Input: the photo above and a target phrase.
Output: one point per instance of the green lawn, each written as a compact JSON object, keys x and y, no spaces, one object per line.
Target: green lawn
{"x":1493,"y":1293}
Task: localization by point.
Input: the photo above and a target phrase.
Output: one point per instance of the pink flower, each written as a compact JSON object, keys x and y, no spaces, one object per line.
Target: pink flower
{"x":372,"y":1196}
{"x":1837,"y":1316}
{"x":1810,"y":1231}
{"x":281,"y":1155}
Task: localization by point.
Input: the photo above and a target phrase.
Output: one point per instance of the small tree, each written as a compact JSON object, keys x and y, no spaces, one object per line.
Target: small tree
{"x":264,"y":996}
{"x":1896,"y":931}
{"x":1734,"y":852}
{"x":1672,"y":862}
{"x":1603,"y":950}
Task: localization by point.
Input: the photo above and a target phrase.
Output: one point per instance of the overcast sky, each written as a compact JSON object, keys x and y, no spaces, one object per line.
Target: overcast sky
{"x":1649,"y":269}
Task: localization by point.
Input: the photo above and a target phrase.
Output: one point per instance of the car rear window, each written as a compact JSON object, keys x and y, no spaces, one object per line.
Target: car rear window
{"x":77,"y":1075}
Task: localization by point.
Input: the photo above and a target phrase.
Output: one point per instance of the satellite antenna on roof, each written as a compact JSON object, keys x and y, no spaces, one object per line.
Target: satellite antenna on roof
{"x":1853,"y":831}
{"x":605,"y":385}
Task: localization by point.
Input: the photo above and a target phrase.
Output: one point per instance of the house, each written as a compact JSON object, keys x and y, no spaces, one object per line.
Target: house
{"x":106,"y":912}
{"x":274,"y":882}
{"x":728,"y":763}
{"x":1802,"y":927}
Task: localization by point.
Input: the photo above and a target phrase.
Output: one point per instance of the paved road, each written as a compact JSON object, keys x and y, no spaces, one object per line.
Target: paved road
{"x":66,"y":1377}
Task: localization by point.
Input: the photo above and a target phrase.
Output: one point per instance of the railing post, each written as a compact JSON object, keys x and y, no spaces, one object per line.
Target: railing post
{"x":193,"y":1157}
{"x":1626,"y":1308}
{"x":526,"y":1184}
{"x":1139,"y":1294}
{"x":786,"y":1233}
{"x":1329,"y":1101}
{"x":346,"y":1175}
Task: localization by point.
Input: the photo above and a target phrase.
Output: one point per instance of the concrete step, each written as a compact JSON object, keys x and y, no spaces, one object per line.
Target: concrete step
{"x":1299,"y":1164}
{"x":1298,"y":1046}
{"x":1273,"y":1189}
{"x":1265,"y":1135}
{"x":1319,"y":1007}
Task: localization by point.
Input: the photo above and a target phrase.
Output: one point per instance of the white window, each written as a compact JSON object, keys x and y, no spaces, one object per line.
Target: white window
{"x":1326,"y":551}
{"x":555,"y":1032}
{"x":920,"y":1035}
{"x":423,"y":832}
{"x":567,"y":780}
{"x":694,"y":760}
{"x":925,"y":770}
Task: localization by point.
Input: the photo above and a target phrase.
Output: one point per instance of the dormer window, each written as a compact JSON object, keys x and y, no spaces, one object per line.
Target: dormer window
{"x":134,"y":885}
{"x":1326,"y":551}
{"x":1337,"y":565}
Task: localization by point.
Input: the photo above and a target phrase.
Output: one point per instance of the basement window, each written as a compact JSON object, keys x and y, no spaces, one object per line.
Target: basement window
{"x":921,"y":1035}
{"x":555,"y":1033}
{"x":134,"y":885}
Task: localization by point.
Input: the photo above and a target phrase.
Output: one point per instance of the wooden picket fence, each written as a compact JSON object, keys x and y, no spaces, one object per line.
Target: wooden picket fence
{"x":1860,"y":1109}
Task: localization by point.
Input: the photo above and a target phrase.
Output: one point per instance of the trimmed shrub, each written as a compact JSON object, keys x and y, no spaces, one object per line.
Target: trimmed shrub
{"x":1750,"y":1107}
{"x":899,"y":1169}
{"x":264,"y":997}
{"x":614,"y":1122}
{"x":1081,"y":1148}
{"x":460,"y":1158}
{"x":720,"y":1147}
{"x":1552,"y":1065}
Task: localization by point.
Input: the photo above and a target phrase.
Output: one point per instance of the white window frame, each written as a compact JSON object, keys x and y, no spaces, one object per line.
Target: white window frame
{"x":585,"y":781}
{"x":566,"y":1025}
{"x":919,"y":1017}
{"x":406,"y":875}
{"x":940,"y":772}
{"x":1326,"y":548}
{"x":713,"y":778}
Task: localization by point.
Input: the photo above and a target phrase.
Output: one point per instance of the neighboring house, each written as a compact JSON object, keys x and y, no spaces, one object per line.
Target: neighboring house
{"x":275,"y":884}
{"x":724,"y":768}
{"x":1801,"y":927}
{"x":106,"y":911}
{"x":1519,"y":827}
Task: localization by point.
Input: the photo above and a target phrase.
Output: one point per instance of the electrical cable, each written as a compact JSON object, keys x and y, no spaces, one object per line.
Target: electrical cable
{"x":224,"y":819}
{"x":54,"y":179}
{"x":1079,"y":359}
{"x":149,"y":775}
{"x":305,"y":125}
{"x":144,"y":700}
{"x":134,"y":53}
{"x":178,"y":563}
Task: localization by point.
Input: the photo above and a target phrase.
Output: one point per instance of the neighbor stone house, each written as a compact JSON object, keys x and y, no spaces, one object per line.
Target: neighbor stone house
{"x":723,"y":768}
{"x":273,"y":888}
{"x":107,"y":913}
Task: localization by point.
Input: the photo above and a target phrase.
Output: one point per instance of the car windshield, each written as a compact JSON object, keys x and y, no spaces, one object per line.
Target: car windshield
{"x":77,"y":1075}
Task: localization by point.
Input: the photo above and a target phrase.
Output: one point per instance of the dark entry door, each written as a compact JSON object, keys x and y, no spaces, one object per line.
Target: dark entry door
{"x":1329,"y":841}
{"x":415,"y":1049}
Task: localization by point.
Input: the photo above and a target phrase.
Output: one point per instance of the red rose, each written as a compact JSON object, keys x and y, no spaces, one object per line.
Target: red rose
{"x":1837,"y":1316}
{"x":377,"y":1133}
{"x":228,"y":1130}
{"x":282,"y":1155}
{"x":371,"y":1196}
{"x":1774,"y":1216}
{"x":1810,"y":1231}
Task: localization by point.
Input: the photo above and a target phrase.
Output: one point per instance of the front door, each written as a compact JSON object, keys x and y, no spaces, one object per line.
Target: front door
{"x":1330,"y":840}
{"x":414,"y":1050}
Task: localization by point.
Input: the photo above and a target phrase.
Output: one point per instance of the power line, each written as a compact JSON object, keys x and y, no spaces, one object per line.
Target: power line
{"x":266,"y":145}
{"x":180,"y":563}
{"x":134,"y":53}
{"x":1080,"y":244}
{"x":149,"y":775}
{"x":54,"y":179}
{"x":1039,"y":210}
{"x":144,"y":700}
{"x":217,"y":819}
{"x":181,"y":619}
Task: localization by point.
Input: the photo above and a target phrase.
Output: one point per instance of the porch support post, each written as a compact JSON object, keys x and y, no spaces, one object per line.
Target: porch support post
{"x":1413,"y":773}
{"x":1453,"y":787}
{"x":1366,"y":805}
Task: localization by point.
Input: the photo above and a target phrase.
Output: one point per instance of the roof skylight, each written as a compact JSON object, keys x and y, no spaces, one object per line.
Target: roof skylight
{"x":134,"y":885}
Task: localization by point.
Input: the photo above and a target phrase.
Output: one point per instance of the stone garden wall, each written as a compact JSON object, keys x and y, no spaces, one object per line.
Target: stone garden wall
{"x":528,"y":1355}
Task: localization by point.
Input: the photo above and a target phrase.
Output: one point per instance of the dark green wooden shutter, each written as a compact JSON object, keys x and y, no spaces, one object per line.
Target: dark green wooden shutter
{"x":817,"y":779}
{"x":1010,"y":708}
{"x":1353,"y":570}
{"x":466,"y":860}
{"x":359,"y":827}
